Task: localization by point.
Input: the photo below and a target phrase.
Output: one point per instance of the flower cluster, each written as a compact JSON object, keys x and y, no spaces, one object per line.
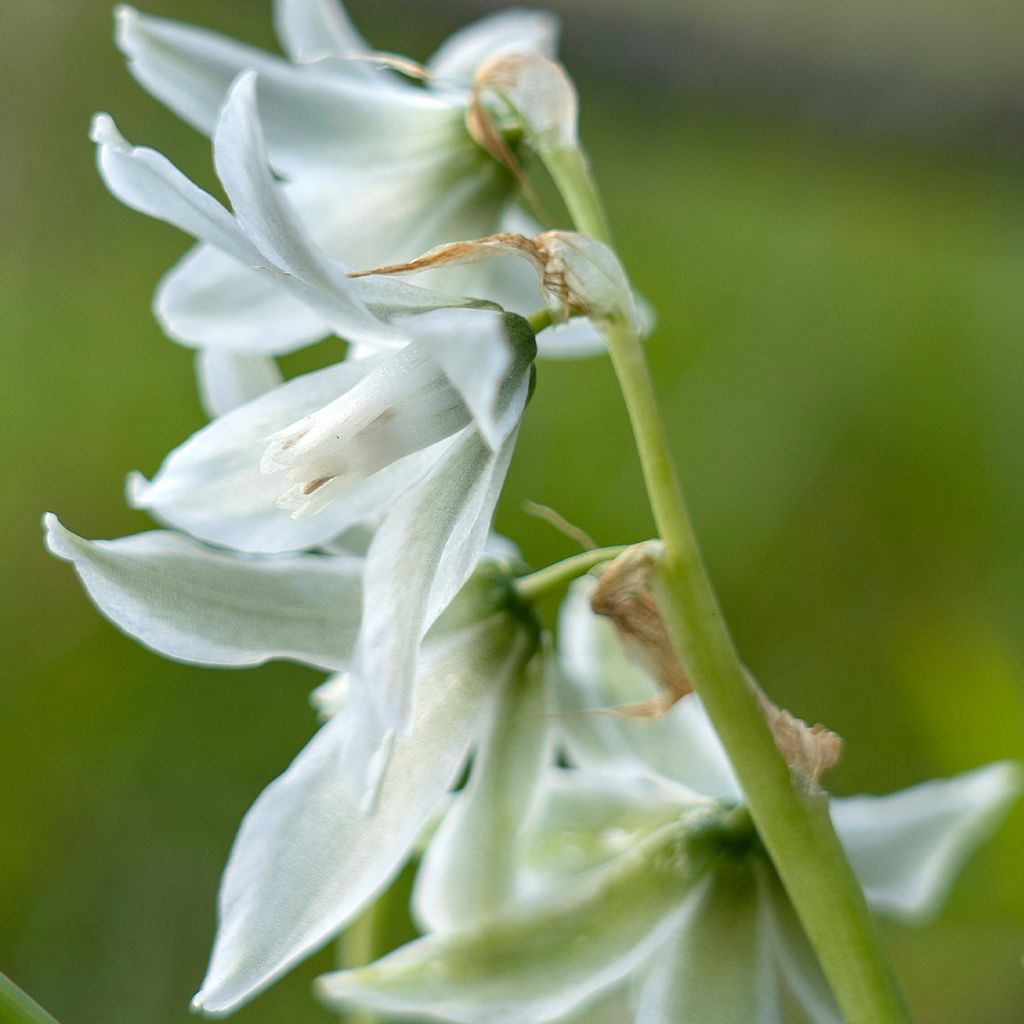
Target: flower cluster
{"x":590,"y":862}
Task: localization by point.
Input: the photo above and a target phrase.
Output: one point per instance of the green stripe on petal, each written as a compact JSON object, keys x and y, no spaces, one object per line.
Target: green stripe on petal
{"x":545,"y":959}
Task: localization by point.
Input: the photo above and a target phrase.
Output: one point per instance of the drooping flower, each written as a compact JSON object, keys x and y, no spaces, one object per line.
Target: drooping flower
{"x":640,"y":880}
{"x":309,"y":856}
{"x":375,"y":167}
{"x":419,"y":436}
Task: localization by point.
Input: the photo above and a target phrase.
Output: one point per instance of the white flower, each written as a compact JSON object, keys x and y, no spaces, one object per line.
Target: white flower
{"x":308,"y":857}
{"x":376,"y":169}
{"x":639,"y":876}
{"x":420,"y":435}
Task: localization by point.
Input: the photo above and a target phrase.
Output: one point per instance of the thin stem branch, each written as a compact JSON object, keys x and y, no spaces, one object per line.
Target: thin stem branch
{"x":360,"y":945}
{"x":794,"y":826}
{"x":559,"y":575}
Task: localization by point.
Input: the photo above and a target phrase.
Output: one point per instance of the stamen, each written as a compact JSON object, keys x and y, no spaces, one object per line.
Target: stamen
{"x":314,"y":485}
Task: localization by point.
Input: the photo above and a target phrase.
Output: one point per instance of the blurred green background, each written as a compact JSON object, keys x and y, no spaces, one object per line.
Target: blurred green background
{"x":825,"y":204}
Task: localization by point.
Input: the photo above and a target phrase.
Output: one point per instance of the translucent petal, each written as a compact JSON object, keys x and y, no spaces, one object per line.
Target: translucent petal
{"x":211,"y":485}
{"x":210,"y":299}
{"x":312,"y":29}
{"x":229,"y":379}
{"x":584,"y":819}
{"x":330,"y":696}
{"x":483,"y":353}
{"x":575,"y":339}
{"x":209,"y":607}
{"x":513,"y":31}
{"x":399,"y":408}
{"x":906,"y":848}
{"x":307,"y":859}
{"x":314,"y":117}
{"x":147,"y":181}
{"x":469,"y":870}
{"x":681,"y":745}
{"x":269,"y":220}
{"x":540,"y":960}
{"x":419,"y":559}
{"x":718,"y":965}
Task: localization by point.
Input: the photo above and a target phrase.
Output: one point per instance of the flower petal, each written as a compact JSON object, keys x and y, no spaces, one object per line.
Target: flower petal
{"x":210,"y":299}
{"x":468,"y":871}
{"x":211,"y":485}
{"x":229,"y":379}
{"x":584,"y":819}
{"x":269,"y":220}
{"x":513,"y":31}
{"x":541,"y":960}
{"x":307,"y":859}
{"x":575,"y":339}
{"x":401,"y":408}
{"x":907,"y":847}
{"x":480,"y":351}
{"x":316,"y":119}
{"x":310,"y":30}
{"x":796,"y":958}
{"x":147,"y":181}
{"x":422,"y":554}
{"x":208,"y":607}
{"x":718,"y":964}
{"x":680,"y":745}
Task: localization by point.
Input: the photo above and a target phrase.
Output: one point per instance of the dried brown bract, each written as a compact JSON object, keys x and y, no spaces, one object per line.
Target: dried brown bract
{"x":809,"y":750}
{"x":622,"y":594}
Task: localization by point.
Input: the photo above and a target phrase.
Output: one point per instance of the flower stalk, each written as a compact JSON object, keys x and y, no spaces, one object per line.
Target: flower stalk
{"x":795,"y":826}
{"x":557,"y":576}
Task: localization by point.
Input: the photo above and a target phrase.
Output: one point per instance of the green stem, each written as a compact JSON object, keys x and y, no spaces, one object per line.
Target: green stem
{"x":559,"y":575}
{"x":360,"y":945}
{"x":539,"y":320}
{"x":571,"y":174}
{"x":795,"y":826}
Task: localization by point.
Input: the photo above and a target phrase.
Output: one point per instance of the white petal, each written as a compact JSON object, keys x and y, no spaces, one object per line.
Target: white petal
{"x":540,"y":960}
{"x":681,"y":745}
{"x":469,"y":871}
{"x":229,"y":379}
{"x":575,"y":339}
{"x":400,"y":408}
{"x":208,"y":607}
{"x":513,"y":31}
{"x":269,"y":220}
{"x":315,"y":118}
{"x":588,"y":818}
{"x":313,"y":29}
{"x":211,"y":299}
{"x":211,"y":485}
{"x":480,"y":351}
{"x":796,"y":958}
{"x":419,"y":559}
{"x":307,"y":859}
{"x":717,"y":967}
{"x":906,"y":848}
{"x":146,"y":181}
{"x":330,"y":696}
